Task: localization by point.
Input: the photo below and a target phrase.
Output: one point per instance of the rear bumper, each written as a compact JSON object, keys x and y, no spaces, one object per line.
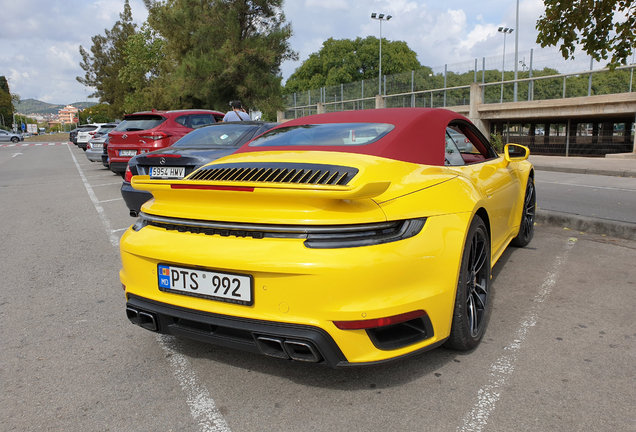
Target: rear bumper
{"x":281,"y":340}
{"x":94,"y":155}
{"x":134,"y":198}
{"x":118,"y":167}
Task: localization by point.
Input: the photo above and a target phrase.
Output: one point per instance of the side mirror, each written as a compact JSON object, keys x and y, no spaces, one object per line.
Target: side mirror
{"x":516,"y":153}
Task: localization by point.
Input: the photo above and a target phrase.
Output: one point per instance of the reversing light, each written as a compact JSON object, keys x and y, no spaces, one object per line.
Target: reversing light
{"x":379,"y":322}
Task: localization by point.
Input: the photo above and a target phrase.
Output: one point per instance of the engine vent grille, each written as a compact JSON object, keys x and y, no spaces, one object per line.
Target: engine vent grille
{"x":298,"y":173}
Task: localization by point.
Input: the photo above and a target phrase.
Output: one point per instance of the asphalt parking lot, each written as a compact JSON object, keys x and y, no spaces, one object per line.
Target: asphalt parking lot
{"x":559,"y":352}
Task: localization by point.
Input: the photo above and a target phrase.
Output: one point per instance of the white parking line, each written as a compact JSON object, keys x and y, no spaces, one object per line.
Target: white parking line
{"x":110,"y":200}
{"x":100,"y":210}
{"x":107,"y":184}
{"x":118,"y":230}
{"x":504,"y":366}
{"x":202,"y":406}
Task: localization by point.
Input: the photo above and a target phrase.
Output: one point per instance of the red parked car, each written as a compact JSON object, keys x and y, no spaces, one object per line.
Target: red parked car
{"x":144,"y":132}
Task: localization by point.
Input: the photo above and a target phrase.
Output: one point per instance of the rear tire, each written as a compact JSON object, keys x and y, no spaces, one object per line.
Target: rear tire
{"x":526,"y":226}
{"x":15,"y":140}
{"x":472,"y":301}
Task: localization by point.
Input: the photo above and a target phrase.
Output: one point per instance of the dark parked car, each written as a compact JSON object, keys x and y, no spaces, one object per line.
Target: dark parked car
{"x":144,"y":132}
{"x":189,"y":153}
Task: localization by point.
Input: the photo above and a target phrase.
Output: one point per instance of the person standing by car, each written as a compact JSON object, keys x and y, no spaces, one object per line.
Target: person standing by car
{"x":237,"y":113}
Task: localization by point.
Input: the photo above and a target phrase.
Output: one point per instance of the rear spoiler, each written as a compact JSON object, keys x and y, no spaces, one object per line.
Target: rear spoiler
{"x":364,"y":191}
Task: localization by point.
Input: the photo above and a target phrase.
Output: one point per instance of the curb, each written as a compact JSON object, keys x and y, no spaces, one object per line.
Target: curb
{"x":615,"y":173}
{"x":612,"y":228}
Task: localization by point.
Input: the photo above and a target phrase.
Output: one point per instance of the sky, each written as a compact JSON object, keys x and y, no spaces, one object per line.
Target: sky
{"x":40,"y":39}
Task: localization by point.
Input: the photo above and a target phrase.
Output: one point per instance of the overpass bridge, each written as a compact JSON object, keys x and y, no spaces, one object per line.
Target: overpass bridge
{"x":592,"y":125}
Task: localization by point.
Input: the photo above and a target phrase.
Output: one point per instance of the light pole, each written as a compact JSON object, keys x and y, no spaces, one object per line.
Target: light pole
{"x":516,"y":50}
{"x":505,"y":31}
{"x":380,"y":17}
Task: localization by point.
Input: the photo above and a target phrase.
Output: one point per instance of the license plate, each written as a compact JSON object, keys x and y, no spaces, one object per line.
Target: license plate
{"x":167,"y":172}
{"x":225,"y":287}
{"x":96,"y":146}
{"x":127,"y":152}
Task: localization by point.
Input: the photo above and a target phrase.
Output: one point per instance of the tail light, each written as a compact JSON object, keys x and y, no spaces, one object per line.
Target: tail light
{"x":379,"y":322}
{"x":92,"y":133}
{"x":89,"y":146}
{"x":128,"y":176}
{"x":155,"y":135}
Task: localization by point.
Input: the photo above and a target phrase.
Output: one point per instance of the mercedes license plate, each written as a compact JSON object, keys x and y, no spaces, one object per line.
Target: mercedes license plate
{"x":167,"y":172}
{"x":96,"y":145}
{"x":127,"y":152}
{"x":225,"y":287}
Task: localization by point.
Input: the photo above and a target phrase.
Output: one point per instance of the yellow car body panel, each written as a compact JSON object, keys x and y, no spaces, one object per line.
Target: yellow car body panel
{"x":293,"y":284}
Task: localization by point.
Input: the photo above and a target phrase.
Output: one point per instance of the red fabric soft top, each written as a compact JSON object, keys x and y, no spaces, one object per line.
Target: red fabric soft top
{"x":418,"y":136}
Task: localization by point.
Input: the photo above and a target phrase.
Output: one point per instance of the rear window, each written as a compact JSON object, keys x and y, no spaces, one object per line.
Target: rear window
{"x":107,"y":128}
{"x":331,"y":134}
{"x":139,"y":123}
{"x":213,"y":136}
{"x":87,"y":129}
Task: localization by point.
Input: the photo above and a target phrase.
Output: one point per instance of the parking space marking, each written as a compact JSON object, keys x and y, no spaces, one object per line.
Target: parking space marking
{"x":30,"y":144}
{"x":119,"y":230}
{"x":504,"y":366}
{"x":202,"y":407}
{"x":110,"y":200}
{"x":107,"y":184}
{"x":100,"y":210}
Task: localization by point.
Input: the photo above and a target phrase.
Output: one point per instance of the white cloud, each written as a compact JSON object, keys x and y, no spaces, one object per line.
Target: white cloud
{"x":40,"y":44}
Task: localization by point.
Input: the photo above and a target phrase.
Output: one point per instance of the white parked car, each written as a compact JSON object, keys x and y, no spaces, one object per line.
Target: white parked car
{"x":90,"y":130}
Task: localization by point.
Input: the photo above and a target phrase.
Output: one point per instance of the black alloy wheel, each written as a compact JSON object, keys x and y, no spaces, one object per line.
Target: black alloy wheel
{"x":15,"y":140}
{"x":526,"y":228}
{"x":472,"y":302}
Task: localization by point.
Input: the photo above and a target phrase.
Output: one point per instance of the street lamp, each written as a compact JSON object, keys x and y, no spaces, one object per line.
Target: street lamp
{"x":380,"y":17}
{"x":505,"y":31}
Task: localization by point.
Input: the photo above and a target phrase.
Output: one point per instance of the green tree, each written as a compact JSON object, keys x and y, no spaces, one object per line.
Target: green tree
{"x":143,"y":70}
{"x":103,"y":66}
{"x":594,"y":24}
{"x":342,"y":61}
{"x":96,"y":114}
{"x":6,"y":103}
{"x":218,"y":51}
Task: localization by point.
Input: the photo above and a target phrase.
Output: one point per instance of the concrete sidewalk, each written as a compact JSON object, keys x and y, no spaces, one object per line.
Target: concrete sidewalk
{"x":618,"y":167}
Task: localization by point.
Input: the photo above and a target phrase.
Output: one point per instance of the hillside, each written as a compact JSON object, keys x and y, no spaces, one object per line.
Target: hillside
{"x":34,"y":106}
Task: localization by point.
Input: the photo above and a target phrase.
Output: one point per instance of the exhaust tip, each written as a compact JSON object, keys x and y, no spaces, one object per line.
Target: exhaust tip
{"x":143,"y":319}
{"x":272,"y":347}
{"x":133,"y":315}
{"x":302,"y":351}
{"x":148,"y":321}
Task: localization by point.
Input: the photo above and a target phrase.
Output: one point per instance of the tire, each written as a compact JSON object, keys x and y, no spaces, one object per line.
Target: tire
{"x":472,"y":301}
{"x":526,"y":226}
{"x":15,"y":140}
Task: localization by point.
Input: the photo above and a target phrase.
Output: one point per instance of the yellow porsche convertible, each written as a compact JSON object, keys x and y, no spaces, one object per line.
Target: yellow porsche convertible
{"x":345,"y":239}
